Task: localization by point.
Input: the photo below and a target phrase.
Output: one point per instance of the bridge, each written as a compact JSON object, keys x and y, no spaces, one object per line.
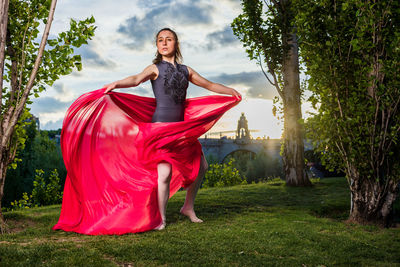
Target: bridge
{"x":223,"y":146}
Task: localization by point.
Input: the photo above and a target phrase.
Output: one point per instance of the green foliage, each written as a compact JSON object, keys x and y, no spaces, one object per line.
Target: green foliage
{"x":52,"y":133}
{"x":211,"y":159}
{"x":24,"y":203}
{"x":260,"y":30}
{"x":256,"y":167}
{"x":53,"y":189}
{"x":20,"y":136}
{"x":311,"y":156}
{"x":19,"y":170}
{"x":25,"y":18}
{"x":220,"y":175}
{"x":263,"y":167}
{"x":45,"y":192}
{"x":47,"y":154}
{"x":39,"y":188}
{"x":240,"y":160}
{"x":264,"y":29}
{"x":40,"y":152}
{"x":351,"y":51}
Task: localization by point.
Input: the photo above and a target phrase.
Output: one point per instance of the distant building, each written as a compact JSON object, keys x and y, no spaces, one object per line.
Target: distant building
{"x":223,"y":146}
{"x":57,"y":137}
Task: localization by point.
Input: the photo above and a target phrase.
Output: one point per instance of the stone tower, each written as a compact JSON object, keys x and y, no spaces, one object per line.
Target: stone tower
{"x":242,"y":133}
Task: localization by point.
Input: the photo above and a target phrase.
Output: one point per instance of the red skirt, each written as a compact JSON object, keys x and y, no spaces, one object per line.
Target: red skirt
{"x":111,"y":151}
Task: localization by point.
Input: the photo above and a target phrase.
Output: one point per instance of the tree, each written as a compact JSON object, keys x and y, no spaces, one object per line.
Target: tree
{"x":351,"y":49}
{"x":20,"y":60}
{"x":270,"y":38}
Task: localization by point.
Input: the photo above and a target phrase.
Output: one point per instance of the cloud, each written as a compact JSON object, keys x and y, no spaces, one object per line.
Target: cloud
{"x":141,"y":30}
{"x":59,"y":88}
{"x":154,"y":3}
{"x":92,"y":58}
{"x":48,"y":104}
{"x":256,"y":84}
{"x":52,"y":125}
{"x":62,"y":93}
{"x":224,"y":38}
{"x":138,"y":90}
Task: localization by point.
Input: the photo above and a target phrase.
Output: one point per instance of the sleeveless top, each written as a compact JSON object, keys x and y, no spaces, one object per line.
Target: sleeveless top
{"x":170,"y":92}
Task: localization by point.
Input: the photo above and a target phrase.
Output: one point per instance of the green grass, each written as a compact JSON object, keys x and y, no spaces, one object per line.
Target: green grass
{"x":250,"y":225}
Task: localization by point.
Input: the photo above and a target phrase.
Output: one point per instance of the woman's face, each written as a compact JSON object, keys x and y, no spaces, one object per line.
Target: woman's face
{"x":166,"y":43}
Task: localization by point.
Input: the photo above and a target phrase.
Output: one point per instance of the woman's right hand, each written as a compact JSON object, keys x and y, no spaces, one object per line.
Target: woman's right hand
{"x":236,"y":93}
{"x":110,"y":86}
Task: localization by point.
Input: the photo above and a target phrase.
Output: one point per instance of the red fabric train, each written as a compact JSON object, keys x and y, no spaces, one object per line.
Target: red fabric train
{"x":111,"y":150}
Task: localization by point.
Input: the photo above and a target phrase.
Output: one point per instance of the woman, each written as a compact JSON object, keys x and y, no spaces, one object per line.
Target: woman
{"x":168,"y":144}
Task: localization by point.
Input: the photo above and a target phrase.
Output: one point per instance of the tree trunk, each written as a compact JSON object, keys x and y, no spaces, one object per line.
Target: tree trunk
{"x":293,"y":145}
{"x":372,"y":201}
{"x":3,"y":170}
{"x":3,"y":35}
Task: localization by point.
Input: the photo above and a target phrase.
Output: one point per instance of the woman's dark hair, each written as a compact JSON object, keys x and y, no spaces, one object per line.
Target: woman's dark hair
{"x":178,"y":55}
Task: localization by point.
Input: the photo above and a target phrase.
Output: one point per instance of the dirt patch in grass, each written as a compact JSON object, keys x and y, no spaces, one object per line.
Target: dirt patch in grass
{"x":38,"y":241}
{"x":74,"y":239}
{"x":393,"y":225}
{"x":16,"y":226}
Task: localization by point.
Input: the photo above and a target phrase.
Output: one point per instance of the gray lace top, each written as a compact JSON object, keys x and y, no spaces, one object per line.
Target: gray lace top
{"x":170,"y":91}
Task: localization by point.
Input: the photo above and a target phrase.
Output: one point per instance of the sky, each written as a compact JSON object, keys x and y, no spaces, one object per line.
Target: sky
{"x":124,"y":45}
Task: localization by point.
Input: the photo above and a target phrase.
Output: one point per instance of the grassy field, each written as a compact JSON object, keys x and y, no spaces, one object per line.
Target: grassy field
{"x":264,"y":224}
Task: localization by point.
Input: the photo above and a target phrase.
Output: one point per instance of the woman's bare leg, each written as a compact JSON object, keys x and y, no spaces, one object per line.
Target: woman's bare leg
{"x":164,"y":170}
{"x":188,"y":206}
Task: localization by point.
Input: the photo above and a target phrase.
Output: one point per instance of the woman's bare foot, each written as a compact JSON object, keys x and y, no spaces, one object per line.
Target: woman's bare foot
{"x":161,"y":226}
{"x":192,"y":215}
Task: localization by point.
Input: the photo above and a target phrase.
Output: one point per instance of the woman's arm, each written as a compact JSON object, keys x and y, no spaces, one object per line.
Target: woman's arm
{"x":150,"y":72}
{"x":198,"y":80}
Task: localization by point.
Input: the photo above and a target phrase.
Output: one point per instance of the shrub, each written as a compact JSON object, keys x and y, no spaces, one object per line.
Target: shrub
{"x":43,"y":193}
{"x":24,"y":203}
{"x":39,"y":188}
{"x":39,"y":152}
{"x":46,"y":193}
{"x":53,"y":189}
{"x":220,"y":175}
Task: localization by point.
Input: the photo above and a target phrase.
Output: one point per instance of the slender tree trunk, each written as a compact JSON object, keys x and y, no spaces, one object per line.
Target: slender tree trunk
{"x":3,"y":170}
{"x":3,"y":35}
{"x":293,"y":144}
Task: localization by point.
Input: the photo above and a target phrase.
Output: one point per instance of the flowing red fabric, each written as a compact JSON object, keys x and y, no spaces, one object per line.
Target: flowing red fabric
{"x":111,"y":150}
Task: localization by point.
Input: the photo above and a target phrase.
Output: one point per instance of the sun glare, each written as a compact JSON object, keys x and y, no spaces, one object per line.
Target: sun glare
{"x":261,"y":121}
